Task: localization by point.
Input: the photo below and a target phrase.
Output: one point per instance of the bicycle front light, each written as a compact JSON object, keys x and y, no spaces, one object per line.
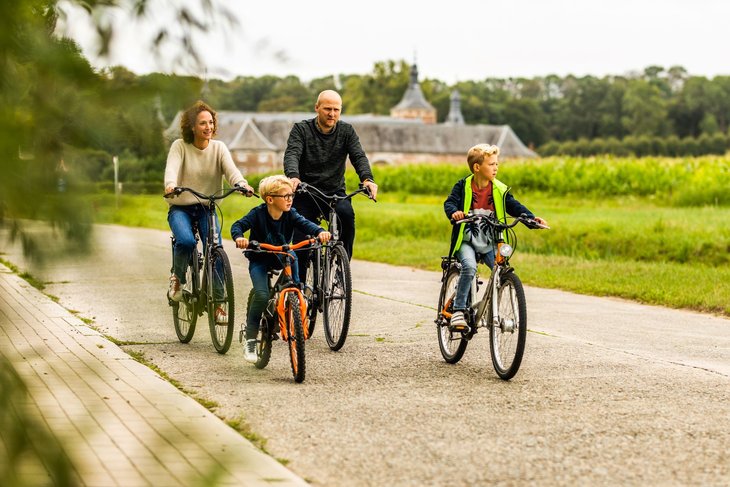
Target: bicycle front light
{"x":505,"y":250}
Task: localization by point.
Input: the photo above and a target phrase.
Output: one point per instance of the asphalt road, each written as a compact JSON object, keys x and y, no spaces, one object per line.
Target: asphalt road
{"x":610,"y":392}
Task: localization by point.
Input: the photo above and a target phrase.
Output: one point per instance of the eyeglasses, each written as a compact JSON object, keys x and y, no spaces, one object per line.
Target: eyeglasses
{"x":287,"y":197}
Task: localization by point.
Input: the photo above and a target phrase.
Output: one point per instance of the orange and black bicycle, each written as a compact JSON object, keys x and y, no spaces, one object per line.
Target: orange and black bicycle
{"x":286,"y":311}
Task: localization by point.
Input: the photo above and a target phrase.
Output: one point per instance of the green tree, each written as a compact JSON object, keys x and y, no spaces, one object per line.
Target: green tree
{"x":645,"y":110}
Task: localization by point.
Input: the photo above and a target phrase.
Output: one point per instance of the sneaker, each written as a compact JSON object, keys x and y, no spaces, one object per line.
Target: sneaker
{"x":249,"y":351}
{"x":221,"y":317}
{"x":458,"y":323}
{"x":175,"y":291}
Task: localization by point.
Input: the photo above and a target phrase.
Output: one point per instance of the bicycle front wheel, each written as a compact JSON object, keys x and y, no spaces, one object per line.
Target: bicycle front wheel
{"x":451,"y":343}
{"x":184,"y":313}
{"x":507,"y":336}
{"x":337,"y":298}
{"x":220,"y":302}
{"x":295,"y":329}
{"x":311,"y":292}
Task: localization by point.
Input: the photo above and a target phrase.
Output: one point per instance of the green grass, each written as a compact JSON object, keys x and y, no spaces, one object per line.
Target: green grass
{"x":635,"y":248}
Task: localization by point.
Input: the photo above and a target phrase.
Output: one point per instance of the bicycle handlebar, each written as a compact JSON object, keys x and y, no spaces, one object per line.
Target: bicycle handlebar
{"x":213,"y":197}
{"x":527,"y":221}
{"x":308,"y":188}
{"x":254,"y":246}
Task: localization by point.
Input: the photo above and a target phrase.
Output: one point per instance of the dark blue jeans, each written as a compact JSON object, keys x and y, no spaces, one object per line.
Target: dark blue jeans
{"x":180,"y":219}
{"x":258,"y":270}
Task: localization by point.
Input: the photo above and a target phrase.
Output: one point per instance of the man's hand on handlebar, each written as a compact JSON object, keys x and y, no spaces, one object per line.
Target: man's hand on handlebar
{"x":324,"y":237}
{"x":241,"y":243}
{"x":372,"y":189}
{"x":296,"y":182}
{"x":458,"y":215}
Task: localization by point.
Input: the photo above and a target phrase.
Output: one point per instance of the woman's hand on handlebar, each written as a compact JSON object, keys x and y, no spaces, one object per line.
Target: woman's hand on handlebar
{"x":245,"y":189}
{"x":169,"y":189}
{"x":324,"y":237}
{"x":458,"y":215}
{"x":241,"y":243}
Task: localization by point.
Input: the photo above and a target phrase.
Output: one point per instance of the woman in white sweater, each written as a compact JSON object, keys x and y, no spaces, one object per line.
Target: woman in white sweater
{"x":199,"y":162}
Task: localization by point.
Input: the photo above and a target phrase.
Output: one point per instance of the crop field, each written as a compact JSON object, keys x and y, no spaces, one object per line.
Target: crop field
{"x":656,"y":230}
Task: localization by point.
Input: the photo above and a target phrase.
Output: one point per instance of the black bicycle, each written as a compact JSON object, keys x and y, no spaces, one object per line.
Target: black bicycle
{"x":208,"y":280}
{"x":328,"y":286}
{"x":502,"y":309}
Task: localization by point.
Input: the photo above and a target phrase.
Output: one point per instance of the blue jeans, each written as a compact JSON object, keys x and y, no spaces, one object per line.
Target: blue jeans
{"x":258,"y":270}
{"x":468,"y":259}
{"x":180,"y":219}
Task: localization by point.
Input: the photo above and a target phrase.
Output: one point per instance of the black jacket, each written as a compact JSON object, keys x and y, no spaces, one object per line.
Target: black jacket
{"x":320,"y":159}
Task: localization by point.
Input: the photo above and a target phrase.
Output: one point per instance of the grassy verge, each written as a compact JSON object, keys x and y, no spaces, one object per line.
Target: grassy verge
{"x":627,"y":247}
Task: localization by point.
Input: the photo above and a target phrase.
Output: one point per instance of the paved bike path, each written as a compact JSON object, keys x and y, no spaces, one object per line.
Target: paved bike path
{"x":120,"y":422}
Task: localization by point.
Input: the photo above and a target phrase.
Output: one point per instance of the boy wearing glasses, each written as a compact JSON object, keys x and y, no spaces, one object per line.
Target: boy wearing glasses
{"x":272,"y":222}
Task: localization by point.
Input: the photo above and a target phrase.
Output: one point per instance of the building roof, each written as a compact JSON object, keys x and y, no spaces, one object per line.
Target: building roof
{"x":270,"y":131}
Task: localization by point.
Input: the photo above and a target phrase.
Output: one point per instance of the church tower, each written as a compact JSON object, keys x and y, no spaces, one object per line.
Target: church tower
{"x":414,"y":105}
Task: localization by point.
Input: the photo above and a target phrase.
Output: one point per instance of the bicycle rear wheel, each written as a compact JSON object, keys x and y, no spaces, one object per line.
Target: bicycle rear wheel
{"x":337,"y":303}
{"x":184,"y":313}
{"x":507,"y":337}
{"x":220,"y":303}
{"x":451,"y":343}
{"x":295,"y":329}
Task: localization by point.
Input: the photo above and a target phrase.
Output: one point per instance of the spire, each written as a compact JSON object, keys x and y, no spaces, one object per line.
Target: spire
{"x":414,"y":104}
{"x":455,"y":117}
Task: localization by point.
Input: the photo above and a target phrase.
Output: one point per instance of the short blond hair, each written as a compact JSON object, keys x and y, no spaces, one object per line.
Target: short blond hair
{"x":274,"y":184}
{"x":479,"y":152}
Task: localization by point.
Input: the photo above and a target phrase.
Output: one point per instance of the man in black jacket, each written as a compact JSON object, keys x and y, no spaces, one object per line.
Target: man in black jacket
{"x":316,"y":153}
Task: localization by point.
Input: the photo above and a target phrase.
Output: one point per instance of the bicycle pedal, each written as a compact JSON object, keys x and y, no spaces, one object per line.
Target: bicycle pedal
{"x":460,"y":328}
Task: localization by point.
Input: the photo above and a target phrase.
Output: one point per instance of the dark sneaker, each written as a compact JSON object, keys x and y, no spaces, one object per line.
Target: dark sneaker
{"x":249,"y":351}
{"x":175,"y":291}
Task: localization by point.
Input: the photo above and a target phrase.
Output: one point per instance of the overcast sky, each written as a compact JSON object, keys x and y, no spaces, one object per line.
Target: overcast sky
{"x":452,"y":40}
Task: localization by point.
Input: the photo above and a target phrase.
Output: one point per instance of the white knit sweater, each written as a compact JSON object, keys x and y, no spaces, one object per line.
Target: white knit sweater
{"x":201,"y":170}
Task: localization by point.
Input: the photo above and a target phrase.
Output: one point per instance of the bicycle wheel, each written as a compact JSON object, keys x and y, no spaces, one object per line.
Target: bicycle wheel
{"x":337,"y":299}
{"x":452,"y":343}
{"x":296,"y":336}
{"x":507,"y":337}
{"x":311,"y":291}
{"x":220,"y":304}
{"x":184,"y":313}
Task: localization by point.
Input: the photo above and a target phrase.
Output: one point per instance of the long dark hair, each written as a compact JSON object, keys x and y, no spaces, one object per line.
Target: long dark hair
{"x":189,"y":116}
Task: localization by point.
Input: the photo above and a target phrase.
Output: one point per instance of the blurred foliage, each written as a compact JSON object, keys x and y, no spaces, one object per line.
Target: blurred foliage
{"x":62,"y":120}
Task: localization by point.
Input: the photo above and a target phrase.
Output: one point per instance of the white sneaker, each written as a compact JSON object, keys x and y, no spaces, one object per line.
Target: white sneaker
{"x":249,"y":351}
{"x":175,"y":291}
{"x":458,"y":322}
